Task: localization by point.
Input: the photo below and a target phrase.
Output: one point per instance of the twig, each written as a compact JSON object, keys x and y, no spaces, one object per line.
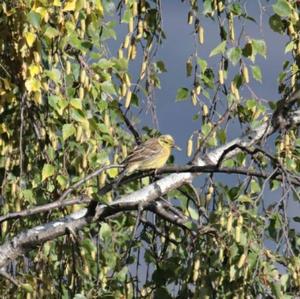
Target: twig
{"x":222,"y":119}
{"x":159,"y":210}
{"x":10,"y":278}
{"x":21,"y":139}
{"x":157,"y":230}
{"x":131,"y":127}
{"x":45,"y":208}
{"x":87,"y":178}
{"x":60,"y":203}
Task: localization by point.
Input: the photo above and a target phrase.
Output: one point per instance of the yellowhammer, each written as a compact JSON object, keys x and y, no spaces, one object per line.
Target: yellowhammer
{"x":152,"y":154}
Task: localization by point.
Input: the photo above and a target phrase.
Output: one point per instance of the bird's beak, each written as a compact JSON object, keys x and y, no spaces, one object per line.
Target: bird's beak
{"x":177,"y":147}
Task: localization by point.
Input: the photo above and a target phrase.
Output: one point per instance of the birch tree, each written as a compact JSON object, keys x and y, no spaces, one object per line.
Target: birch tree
{"x":69,"y":104}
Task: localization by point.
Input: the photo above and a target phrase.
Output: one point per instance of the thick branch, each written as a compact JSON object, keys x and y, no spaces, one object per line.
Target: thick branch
{"x":26,"y":240}
{"x":169,"y":169}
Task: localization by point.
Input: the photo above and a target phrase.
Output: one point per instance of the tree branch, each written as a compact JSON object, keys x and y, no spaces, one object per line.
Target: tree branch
{"x":26,"y":240}
{"x":130,"y":126}
{"x":82,"y":199}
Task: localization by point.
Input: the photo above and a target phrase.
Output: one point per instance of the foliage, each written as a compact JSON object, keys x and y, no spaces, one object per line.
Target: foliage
{"x":64,"y":102}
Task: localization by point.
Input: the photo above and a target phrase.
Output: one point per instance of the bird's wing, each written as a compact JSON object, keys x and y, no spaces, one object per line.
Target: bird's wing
{"x":142,"y":152}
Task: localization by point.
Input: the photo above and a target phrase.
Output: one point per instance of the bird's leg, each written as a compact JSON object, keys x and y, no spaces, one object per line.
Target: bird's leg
{"x":115,"y":192}
{"x":155,"y":173}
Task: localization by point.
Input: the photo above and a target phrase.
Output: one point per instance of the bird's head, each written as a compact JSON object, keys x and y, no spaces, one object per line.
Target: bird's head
{"x":167,"y":140}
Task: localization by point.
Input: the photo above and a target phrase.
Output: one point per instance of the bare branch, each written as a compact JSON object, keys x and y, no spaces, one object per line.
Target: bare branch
{"x":87,"y":178}
{"x":131,"y":127}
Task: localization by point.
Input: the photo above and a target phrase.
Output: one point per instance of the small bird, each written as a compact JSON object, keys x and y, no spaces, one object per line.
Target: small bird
{"x":152,"y":154}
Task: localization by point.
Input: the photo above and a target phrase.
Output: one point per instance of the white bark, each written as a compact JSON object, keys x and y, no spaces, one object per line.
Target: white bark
{"x":24,"y":241}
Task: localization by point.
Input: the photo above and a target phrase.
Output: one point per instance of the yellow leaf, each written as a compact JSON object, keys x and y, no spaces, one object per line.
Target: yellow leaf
{"x":70,"y":5}
{"x":38,"y":97}
{"x":42,"y":11}
{"x":113,"y":172}
{"x":62,"y":180}
{"x":48,"y":170}
{"x":99,"y":7}
{"x":32,"y":85}
{"x":76,"y":103}
{"x":34,"y":70}
{"x":6,"y":84}
{"x":56,"y":3}
{"x":3,"y":128}
{"x":30,"y":38}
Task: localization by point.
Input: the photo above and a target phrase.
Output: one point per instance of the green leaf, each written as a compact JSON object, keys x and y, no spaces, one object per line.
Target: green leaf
{"x":108,"y":33}
{"x":76,"y":103}
{"x":208,"y":78}
{"x":27,"y":287}
{"x":193,"y":212}
{"x":203,"y":64}
{"x":236,"y":9}
{"x":121,"y":275}
{"x":54,"y":75}
{"x":51,"y":32}
{"x":259,"y":47}
{"x":206,"y":128}
{"x":251,"y":103}
{"x":34,"y":19}
{"x":256,"y":72}
{"x":121,"y":64}
{"x":221,"y":134}
{"x":78,"y":116}
{"x":234,"y":55}
{"x":32,"y":84}
{"x":108,"y":87}
{"x":28,"y":196}
{"x":105,"y":231}
{"x":244,"y":198}
{"x":207,"y":7}
{"x":104,"y":63}
{"x":67,"y":131}
{"x":182,"y":94}
{"x":274,"y":185}
{"x":282,"y":8}
{"x":103,"y":128}
{"x":48,"y":170}
{"x":127,"y":15}
{"x":247,"y":50}
{"x":219,"y":49}
{"x":57,"y":103}
{"x":276,"y":289}
{"x":276,"y":24}
{"x":254,"y":187}
{"x":161,"y":66}
{"x":62,"y":180}
{"x":289,"y":47}
{"x":112,"y":173}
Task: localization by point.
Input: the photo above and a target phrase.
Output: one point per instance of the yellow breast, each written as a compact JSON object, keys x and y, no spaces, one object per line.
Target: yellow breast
{"x":158,"y":161}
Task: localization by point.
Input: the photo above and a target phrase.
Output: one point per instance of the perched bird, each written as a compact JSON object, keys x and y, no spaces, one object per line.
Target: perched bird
{"x":152,"y":154}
